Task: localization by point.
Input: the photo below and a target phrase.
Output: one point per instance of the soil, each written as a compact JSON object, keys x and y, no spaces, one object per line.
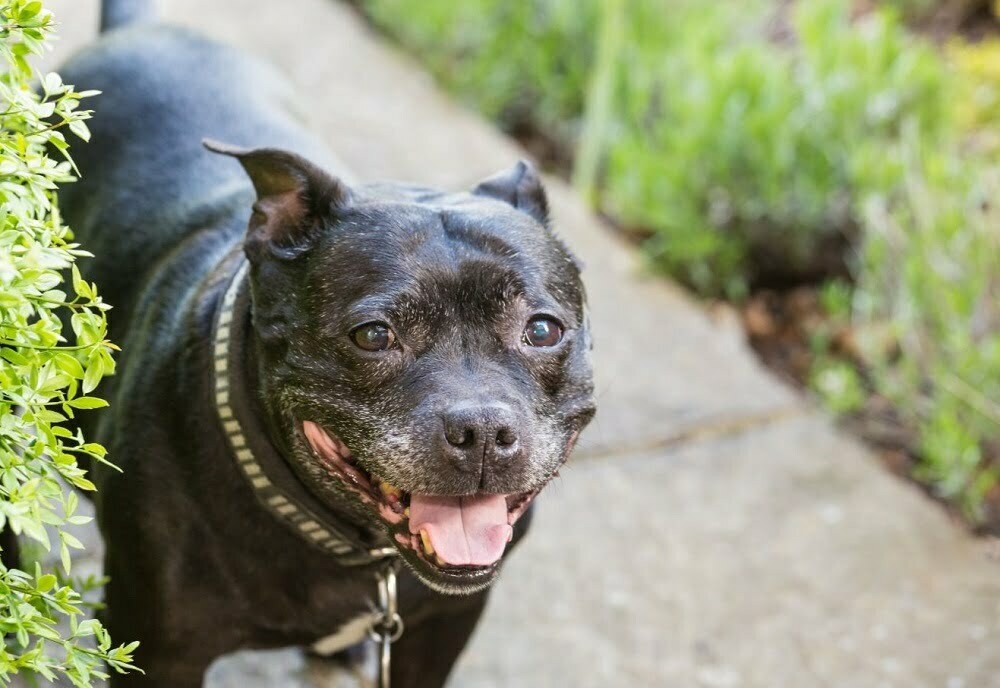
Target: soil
{"x":778,"y":325}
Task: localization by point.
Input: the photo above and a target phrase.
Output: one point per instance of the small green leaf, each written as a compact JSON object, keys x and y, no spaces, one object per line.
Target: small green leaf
{"x":51,"y":83}
{"x":79,"y":127}
{"x":69,"y":365}
{"x":95,"y":371}
{"x":46,"y":582}
{"x":87,"y":403}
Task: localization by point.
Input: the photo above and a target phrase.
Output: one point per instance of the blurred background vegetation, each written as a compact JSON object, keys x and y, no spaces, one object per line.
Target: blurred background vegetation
{"x":830,"y":167}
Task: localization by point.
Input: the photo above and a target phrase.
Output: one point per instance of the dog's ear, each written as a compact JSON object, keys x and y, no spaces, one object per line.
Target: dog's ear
{"x":519,"y":186}
{"x":292,"y":194}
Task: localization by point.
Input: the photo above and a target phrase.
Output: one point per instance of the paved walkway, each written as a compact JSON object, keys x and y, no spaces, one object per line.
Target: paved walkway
{"x":713,"y":530}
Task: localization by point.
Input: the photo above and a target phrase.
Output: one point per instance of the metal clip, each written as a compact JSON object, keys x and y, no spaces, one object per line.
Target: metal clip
{"x":387,"y":625}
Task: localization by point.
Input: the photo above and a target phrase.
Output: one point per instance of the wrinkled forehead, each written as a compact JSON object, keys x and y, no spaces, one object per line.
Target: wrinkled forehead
{"x":477,"y":259}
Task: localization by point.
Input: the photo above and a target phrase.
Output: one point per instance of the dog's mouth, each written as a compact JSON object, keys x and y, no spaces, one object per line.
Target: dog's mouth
{"x":459,"y":537}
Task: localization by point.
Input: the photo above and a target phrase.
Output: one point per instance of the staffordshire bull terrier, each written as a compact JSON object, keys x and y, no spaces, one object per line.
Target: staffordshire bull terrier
{"x":321,"y":381}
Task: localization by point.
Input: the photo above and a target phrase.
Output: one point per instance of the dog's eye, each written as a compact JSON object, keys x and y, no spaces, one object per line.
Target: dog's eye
{"x":374,"y":336}
{"x":542,"y":331}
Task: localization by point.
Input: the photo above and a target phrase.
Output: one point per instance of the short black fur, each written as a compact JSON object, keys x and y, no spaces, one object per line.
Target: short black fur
{"x":197,"y":567}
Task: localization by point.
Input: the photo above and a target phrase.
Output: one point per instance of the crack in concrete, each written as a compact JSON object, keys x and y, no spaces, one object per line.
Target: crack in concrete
{"x":714,"y":428}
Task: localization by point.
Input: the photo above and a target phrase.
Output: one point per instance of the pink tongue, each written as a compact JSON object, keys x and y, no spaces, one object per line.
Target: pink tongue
{"x":465,"y":531}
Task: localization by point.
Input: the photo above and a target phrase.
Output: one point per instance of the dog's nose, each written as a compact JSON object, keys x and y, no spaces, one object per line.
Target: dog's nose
{"x":478,"y":434}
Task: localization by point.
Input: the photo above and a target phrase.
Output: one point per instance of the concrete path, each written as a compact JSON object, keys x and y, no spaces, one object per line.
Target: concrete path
{"x":713,"y":529}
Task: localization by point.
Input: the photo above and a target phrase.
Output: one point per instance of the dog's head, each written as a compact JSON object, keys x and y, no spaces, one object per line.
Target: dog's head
{"x":425,"y":355}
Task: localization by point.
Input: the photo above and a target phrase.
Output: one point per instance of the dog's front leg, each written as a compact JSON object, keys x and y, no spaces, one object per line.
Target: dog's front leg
{"x":168,"y":664}
{"x":180,"y":634}
{"x":163,"y":673}
{"x":426,"y":652}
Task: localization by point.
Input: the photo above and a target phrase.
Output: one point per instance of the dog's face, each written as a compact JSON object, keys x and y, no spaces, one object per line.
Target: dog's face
{"x":425,"y":355}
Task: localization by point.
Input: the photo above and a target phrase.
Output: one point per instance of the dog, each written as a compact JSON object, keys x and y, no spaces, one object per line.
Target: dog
{"x":321,"y":382}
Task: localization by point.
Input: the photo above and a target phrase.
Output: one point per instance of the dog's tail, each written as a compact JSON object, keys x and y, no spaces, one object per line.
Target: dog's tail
{"x":116,"y":13}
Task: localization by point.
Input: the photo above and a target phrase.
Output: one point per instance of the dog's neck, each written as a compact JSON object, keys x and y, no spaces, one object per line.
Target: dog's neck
{"x":256,"y":441}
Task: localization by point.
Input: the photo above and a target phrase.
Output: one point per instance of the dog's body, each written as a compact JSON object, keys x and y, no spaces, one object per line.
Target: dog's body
{"x":198,"y":566}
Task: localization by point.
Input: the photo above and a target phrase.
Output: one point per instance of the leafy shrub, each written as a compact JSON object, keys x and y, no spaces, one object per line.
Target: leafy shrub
{"x":751,"y":164}
{"x":927,"y":310}
{"x":44,"y":376}
{"x":508,"y":59}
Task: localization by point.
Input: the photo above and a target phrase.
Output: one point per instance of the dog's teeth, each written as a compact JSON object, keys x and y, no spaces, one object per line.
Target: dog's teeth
{"x":406,"y":512}
{"x":392,"y":493}
{"x":424,"y":538}
{"x":439,"y":561}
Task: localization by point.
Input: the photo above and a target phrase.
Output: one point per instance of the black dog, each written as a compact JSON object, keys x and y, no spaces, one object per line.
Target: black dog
{"x":317,"y":379}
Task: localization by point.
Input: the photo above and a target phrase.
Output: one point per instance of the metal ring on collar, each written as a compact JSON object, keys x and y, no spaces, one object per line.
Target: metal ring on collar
{"x":386,"y":631}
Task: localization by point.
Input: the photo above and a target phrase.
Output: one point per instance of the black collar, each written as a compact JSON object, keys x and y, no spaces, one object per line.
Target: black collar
{"x":270,"y":477}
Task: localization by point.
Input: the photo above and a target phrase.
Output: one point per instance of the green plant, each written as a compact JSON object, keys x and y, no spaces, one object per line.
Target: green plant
{"x":927,"y":309}
{"x":44,"y":375}
{"x":519,"y":62}
{"x":838,"y":385}
{"x":741,"y":155}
